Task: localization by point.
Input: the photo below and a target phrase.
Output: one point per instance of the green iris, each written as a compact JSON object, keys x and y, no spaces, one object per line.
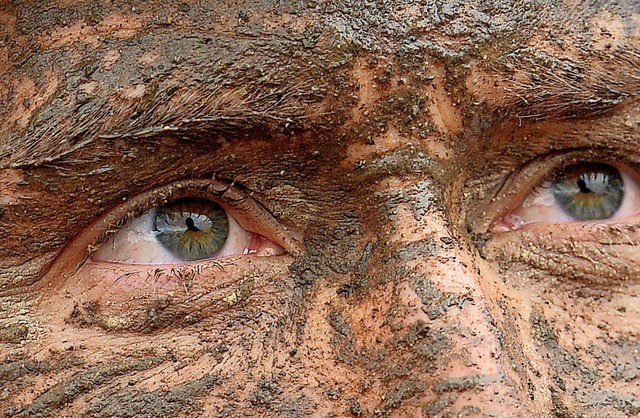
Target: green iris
{"x":589,"y":191}
{"x":192,"y":229}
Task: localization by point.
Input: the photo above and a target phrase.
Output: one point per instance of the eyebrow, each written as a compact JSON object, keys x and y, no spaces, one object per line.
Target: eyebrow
{"x":234,"y":111}
{"x":187,"y":114}
{"x":542,"y":87}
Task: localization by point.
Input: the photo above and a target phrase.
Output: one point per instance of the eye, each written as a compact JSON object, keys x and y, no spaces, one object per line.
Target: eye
{"x":183,"y":230}
{"x":179,"y":224}
{"x":588,"y":192}
{"x":177,"y":254}
{"x":578,"y":192}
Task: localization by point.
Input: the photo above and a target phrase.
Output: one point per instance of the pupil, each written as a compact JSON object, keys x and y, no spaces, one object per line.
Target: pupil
{"x":582,"y":185}
{"x":191,"y":226}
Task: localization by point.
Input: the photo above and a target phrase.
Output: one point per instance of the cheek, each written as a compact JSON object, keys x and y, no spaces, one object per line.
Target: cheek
{"x":236,"y":349}
{"x":601,"y":331}
{"x":578,"y":344}
{"x":585,"y":317}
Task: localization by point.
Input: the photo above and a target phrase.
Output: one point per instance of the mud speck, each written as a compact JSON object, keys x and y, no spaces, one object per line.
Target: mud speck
{"x":266,"y":391}
{"x":13,"y":333}
{"x":356,"y":409}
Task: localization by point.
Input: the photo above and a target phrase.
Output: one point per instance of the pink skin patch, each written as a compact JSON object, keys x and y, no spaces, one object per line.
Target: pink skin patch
{"x":506,"y":223}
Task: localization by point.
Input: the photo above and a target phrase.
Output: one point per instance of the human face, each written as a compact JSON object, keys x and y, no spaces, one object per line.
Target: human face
{"x":424,"y":198}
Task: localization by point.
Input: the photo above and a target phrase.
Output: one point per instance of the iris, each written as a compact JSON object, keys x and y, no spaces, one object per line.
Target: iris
{"x":589,"y":191}
{"x":192,"y":229}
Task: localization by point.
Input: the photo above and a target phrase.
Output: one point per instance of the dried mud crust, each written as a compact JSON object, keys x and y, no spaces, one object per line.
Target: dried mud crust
{"x":343,"y":251}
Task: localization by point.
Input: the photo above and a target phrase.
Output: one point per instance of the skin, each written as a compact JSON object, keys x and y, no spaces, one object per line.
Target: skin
{"x":380,"y":142}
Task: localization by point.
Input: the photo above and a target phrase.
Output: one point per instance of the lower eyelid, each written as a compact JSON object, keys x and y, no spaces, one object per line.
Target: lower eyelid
{"x":585,"y":253}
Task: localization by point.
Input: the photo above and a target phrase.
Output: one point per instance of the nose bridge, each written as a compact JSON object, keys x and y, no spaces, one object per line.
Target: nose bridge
{"x":439,"y":290}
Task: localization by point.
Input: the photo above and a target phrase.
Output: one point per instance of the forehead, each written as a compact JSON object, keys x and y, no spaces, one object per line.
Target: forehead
{"x":370,"y":25}
{"x":70,"y":63}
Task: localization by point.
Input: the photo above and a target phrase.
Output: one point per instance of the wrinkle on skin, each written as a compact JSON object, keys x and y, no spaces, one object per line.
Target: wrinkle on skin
{"x":171,"y":87}
{"x":443,"y":111}
{"x":377,"y":132}
{"x":474,"y":349}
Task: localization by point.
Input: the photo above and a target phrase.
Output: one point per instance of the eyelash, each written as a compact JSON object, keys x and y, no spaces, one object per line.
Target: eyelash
{"x":535,"y":175}
{"x":236,"y":201}
{"x":165,"y":195}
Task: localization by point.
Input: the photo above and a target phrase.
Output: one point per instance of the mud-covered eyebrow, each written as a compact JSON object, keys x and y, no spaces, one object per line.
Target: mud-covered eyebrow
{"x":546,"y":87}
{"x":58,"y":132}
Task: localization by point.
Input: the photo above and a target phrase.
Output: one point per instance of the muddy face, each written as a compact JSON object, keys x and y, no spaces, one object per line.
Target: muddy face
{"x":431,"y":209}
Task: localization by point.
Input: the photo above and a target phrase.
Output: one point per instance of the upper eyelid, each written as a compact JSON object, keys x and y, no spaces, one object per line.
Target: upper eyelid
{"x":248,"y":212}
{"x":532,"y":174}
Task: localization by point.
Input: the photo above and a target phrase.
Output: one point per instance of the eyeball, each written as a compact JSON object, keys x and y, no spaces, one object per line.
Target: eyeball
{"x":183,"y":230}
{"x":589,"y":192}
{"x":583,"y":192}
